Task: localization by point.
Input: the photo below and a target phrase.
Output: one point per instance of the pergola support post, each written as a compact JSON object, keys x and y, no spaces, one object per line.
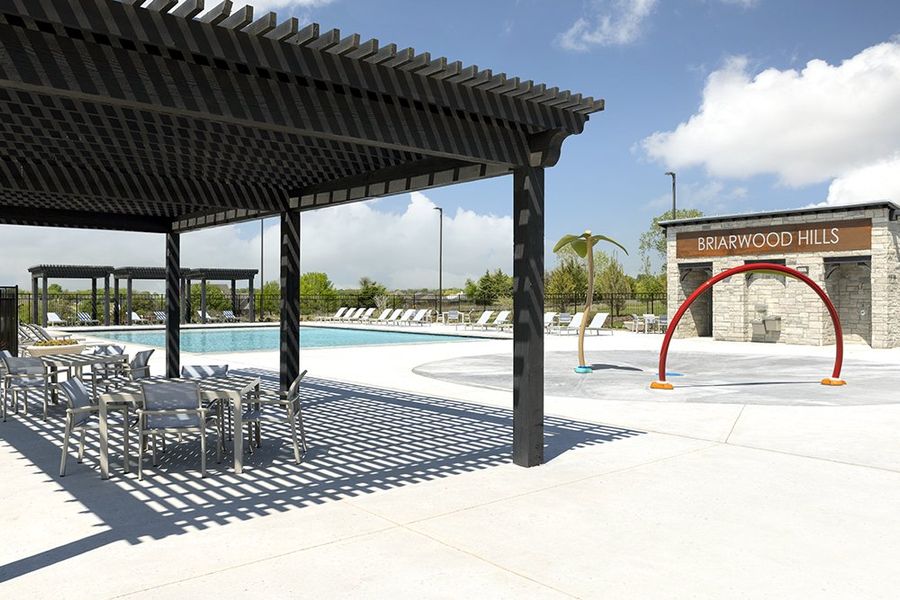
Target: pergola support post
{"x":117,"y":317}
{"x":128,"y":308}
{"x":252,"y":303}
{"x":528,"y":304}
{"x":173,"y":305}
{"x":45,"y":301}
{"x":94,"y":298}
{"x":34,"y":300}
{"x":189,"y":306}
{"x":234,"y":302}
{"x":106,"y":301}
{"x":290,"y":298}
{"x":203,"y":301}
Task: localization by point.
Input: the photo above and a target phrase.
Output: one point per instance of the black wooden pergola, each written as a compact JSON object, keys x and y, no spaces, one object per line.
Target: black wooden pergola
{"x":44,"y":273}
{"x":186,"y":277}
{"x":162,"y":118}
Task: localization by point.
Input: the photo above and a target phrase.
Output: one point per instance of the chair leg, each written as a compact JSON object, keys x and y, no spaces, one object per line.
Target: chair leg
{"x":65,"y":447}
{"x":126,"y":460}
{"x":5,"y":402}
{"x":294,"y":441}
{"x":202,"y":452}
{"x":250,"y":437}
{"x":24,"y":402}
{"x":81,"y":445}
{"x":46,"y":399}
{"x":153,"y":448}
{"x":219,"y":446}
{"x":140,"y":450}
{"x":302,"y":430}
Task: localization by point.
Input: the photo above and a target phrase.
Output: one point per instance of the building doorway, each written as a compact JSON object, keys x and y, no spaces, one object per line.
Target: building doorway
{"x":848,"y":281}
{"x":700,"y":315}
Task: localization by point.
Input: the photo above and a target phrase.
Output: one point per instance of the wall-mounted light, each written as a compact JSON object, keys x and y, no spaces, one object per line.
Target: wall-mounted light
{"x":803,"y":269}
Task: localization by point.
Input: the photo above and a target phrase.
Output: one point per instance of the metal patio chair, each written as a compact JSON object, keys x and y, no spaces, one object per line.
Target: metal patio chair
{"x":174,"y":407}
{"x":81,"y":415}
{"x":289,"y":412}
{"x":24,"y":375}
{"x":222,"y":406}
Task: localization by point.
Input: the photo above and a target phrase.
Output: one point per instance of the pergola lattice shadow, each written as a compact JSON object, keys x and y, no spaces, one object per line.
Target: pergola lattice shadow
{"x":362,"y":440}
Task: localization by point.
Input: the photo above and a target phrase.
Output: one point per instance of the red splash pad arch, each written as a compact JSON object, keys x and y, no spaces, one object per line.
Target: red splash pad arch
{"x":835,"y":378}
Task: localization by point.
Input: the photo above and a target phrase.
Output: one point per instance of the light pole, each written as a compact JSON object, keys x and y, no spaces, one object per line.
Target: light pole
{"x":440,"y":259}
{"x":673,"y":193}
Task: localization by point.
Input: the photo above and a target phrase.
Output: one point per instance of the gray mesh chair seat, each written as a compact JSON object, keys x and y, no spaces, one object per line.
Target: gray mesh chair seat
{"x":222,"y":406}
{"x":174,"y":407}
{"x":22,"y":376}
{"x":281,"y":408}
{"x":138,"y":368}
{"x":103,"y":374}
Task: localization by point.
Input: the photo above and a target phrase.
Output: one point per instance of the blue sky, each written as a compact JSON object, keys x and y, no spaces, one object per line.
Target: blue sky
{"x":651,"y":83}
{"x":757,"y":104}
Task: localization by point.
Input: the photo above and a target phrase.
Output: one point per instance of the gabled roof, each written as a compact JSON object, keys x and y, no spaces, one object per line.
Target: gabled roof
{"x":165,"y":117}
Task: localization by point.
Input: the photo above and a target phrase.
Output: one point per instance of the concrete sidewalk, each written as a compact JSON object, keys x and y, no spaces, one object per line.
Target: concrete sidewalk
{"x":408,"y":492}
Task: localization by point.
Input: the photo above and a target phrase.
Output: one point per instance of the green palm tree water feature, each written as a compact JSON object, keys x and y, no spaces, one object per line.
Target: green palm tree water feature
{"x":583,"y":246}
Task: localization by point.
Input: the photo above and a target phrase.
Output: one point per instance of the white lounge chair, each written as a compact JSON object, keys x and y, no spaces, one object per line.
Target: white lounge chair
{"x":136,"y":318}
{"x":382,"y":317}
{"x":500,"y":322}
{"x":598,"y":322}
{"x":160,"y":315}
{"x":549,"y":317}
{"x":53,"y":319}
{"x":393,"y":317}
{"x":573,"y":325}
{"x":407,"y":315}
{"x":420,"y":318}
{"x":353,"y":315}
{"x":229,"y":317}
{"x":85,"y":319}
{"x":366,"y":316}
{"x":208,"y":318}
{"x":482,"y":320}
{"x":337,"y":315}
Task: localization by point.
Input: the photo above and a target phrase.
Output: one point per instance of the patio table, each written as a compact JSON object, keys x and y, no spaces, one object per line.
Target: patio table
{"x":76,"y":364}
{"x":231,"y":387}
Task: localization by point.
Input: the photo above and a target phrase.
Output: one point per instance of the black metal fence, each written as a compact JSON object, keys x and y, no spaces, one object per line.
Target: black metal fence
{"x":66,"y":305}
{"x":9,"y":320}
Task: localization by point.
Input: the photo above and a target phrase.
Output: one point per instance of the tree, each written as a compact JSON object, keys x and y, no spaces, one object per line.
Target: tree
{"x":653,"y":241}
{"x":490,"y":287}
{"x":583,"y":246}
{"x":317,"y":294}
{"x":615,"y":284}
{"x":569,"y":278}
{"x":368,"y":290}
{"x":268,"y":299}
{"x":650,"y":284}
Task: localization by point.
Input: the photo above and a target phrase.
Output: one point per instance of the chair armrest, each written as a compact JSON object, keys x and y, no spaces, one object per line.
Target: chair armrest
{"x":83,"y":409}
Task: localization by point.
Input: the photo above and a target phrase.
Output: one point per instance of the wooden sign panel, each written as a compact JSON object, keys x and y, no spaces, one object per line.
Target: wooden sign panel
{"x":794,"y":238}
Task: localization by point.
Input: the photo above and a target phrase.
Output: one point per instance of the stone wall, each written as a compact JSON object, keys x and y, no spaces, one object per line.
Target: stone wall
{"x":804,"y":318}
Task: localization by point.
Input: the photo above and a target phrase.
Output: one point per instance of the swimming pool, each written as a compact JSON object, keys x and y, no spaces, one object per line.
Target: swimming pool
{"x":267,"y":338}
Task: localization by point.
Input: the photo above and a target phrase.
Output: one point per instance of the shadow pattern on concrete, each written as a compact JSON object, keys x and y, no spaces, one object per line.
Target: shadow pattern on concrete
{"x":362,"y":440}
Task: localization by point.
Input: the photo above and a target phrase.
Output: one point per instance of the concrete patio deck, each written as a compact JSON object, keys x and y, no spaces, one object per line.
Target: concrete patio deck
{"x":408,"y":491}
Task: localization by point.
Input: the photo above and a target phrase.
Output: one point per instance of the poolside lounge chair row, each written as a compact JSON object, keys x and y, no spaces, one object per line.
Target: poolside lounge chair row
{"x":563,"y":323}
{"x":397,"y":316}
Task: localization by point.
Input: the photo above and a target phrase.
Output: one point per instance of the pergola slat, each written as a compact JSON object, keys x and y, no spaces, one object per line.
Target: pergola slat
{"x":165,"y":118}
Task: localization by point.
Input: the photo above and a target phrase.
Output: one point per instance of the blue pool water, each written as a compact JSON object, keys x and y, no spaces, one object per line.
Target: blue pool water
{"x":267,"y":338}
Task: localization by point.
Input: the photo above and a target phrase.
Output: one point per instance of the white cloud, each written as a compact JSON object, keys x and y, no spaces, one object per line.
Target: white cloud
{"x":347,"y":242}
{"x":712,"y":196}
{"x":878,"y":181}
{"x":809,"y":126}
{"x":616,"y":23}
